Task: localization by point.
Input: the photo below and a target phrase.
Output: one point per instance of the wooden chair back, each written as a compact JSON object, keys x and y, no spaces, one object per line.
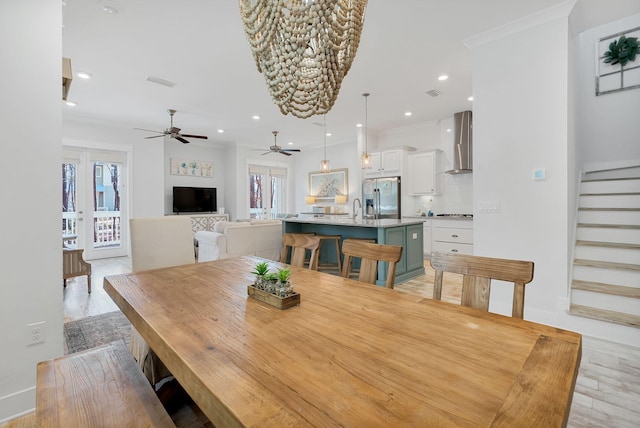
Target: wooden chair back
{"x":299,"y":243}
{"x":477,"y":275}
{"x":370,"y":254}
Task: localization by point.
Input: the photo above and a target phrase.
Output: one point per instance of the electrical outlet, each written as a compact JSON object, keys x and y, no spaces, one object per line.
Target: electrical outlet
{"x":35,"y":333}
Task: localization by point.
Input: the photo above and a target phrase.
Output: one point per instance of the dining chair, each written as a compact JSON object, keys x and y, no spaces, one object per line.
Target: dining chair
{"x":477,"y":275}
{"x":73,"y":264}
{"x":157,"y":242}
{"x":370,"y":255}
{"x":299,"y":243}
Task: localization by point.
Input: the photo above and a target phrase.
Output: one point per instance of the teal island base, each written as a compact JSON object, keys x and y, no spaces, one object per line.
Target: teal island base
{"x":406,"y":233}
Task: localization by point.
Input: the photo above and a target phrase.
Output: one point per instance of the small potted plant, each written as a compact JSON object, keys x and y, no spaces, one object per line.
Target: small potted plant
{"x":270,"y":281}
{"x":261,"y":269}
{"x":283,"y":287}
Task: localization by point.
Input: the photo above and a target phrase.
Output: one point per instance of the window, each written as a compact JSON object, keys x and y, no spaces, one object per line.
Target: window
{"x":267,"y":191}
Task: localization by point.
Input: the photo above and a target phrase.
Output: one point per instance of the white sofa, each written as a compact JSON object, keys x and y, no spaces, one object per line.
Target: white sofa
{"x":262,"y":238}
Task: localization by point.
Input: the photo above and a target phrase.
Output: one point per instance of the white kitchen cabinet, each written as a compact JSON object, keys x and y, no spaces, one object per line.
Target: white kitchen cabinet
{"x":426,"y":238}
{"x":423,"y":173}
{"x":385,"y":163}
{"x":452,"y":236}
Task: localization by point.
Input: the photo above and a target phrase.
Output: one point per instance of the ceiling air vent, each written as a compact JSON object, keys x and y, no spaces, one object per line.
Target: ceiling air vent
{"x":434,"y":92}
{"x":160,"y":81}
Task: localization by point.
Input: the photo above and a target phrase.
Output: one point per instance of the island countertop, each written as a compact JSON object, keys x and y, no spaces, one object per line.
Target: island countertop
{"x":381,"y":223}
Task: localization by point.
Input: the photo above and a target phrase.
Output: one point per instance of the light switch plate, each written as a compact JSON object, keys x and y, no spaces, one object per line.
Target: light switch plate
{"x":539,"y":174}
{"x":489,"y":207}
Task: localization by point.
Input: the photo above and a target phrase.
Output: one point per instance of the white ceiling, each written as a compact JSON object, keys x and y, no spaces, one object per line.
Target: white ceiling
{"x":200,"y":45}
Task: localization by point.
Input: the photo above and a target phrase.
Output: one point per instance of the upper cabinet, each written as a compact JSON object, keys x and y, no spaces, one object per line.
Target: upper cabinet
{"x":386,"y":163}
{"x":423,"y":173}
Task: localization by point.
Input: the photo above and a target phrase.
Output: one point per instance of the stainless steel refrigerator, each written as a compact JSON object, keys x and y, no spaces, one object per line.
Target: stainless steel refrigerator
{"x":381,"y":197}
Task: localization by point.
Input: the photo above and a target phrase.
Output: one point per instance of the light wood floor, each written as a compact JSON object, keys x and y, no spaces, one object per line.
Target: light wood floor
{"x":607,"y":392}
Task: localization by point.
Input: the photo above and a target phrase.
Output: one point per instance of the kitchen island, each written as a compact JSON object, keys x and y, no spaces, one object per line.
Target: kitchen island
{"x":404,"y":232}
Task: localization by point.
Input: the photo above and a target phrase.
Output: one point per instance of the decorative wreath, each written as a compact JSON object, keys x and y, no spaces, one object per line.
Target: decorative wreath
{"x":622,"y":51}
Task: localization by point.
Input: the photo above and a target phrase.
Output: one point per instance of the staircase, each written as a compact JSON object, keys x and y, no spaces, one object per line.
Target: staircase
{"x":606,"y":266}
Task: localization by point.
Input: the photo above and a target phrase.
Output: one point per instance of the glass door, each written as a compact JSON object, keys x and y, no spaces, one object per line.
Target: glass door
{"x":267,"y":192}
{"x":94,"y":214}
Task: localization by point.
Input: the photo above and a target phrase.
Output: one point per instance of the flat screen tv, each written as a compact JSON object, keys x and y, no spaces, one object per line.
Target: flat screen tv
{"x":194,"y":200}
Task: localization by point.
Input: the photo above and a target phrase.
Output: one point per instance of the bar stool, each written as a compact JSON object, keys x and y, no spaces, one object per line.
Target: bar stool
{"x":336,"y":239}
{"x":353,"y":274}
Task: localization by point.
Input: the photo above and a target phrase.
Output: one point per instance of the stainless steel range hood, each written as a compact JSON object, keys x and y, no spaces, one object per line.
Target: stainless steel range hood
{"x":462,"y":145}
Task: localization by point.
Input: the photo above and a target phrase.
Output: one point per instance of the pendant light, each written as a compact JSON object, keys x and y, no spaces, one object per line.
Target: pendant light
{"x":325,"y":165}
{"x":365,"y":160}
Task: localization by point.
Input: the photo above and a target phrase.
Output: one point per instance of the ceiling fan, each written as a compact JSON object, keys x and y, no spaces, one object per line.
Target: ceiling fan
{"x":276,"y":148}
{"x":173,"y":132}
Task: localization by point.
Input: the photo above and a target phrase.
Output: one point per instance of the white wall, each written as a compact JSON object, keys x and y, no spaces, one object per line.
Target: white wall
{"x":520,"y":123}
{"x":194,"y":151}
{"x":31,"y":262}
{"x":344,"y":155}
{"x":601,"y":136}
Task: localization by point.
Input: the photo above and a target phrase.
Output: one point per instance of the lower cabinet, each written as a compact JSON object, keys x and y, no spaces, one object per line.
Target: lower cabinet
{"x":452,"y":236}
{"x":426,"y":238}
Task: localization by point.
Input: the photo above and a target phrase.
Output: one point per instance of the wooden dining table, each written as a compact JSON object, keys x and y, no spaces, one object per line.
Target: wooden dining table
{"x":350,"y":354}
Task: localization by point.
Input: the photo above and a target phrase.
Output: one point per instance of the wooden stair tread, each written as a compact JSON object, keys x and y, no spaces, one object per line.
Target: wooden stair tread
{"x":611,"y":194}
{"x":587,"y":180}
{"x":605,"y":315}
{"x":620,"y":245}
{"x":609,"y":226}
{"x":600,"y":287}
{"x":607,"y":209}
{"x":606,"y":265}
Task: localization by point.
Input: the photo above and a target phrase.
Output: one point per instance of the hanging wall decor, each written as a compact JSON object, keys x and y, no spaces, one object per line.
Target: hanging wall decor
{"x":192,"y":168}
{"x":618,"y":62}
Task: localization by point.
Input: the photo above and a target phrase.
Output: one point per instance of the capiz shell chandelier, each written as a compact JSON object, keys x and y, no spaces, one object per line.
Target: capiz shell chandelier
{"x":304,"y":48}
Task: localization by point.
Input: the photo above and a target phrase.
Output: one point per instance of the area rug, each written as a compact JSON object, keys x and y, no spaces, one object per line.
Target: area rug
{"x":87,"y":333}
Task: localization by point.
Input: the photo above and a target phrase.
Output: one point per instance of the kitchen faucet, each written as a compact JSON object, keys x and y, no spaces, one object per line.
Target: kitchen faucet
{"x":355,"y":212}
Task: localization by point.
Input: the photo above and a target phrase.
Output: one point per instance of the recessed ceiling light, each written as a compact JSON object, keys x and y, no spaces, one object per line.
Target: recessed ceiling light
{"x":359,"y":125}
{"x":256,"y":117}
{"x":290,"y":143}
{"x":71,"y":103}
{"x":443,"y":77}
{"x":328,"y":134}
{"x":448,"y":129}
{"x":220,"y":131}
{"x":470,"y":99}
{"x":84,"y":75}
{"x":408,"y":113}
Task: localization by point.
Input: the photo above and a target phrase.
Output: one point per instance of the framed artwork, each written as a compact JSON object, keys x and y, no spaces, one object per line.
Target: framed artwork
{"x":326,"y":185}
{"x":192,"y":168}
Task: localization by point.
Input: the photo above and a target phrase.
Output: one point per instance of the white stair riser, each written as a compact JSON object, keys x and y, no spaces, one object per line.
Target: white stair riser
{"x":607,"y":254}
{"x":626,"y":236}
{"x":610,"y":186}
{"x":609,"y":302}
{"x":626,"y":278}
{"x":610,"y":201}
{"x":609,"y":217}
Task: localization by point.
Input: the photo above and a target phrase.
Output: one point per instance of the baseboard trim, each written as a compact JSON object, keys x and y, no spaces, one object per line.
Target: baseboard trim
{"x":18,"y":404}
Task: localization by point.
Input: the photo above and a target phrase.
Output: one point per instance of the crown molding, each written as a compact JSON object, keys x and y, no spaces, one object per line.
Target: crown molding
{"x":561,"y":10}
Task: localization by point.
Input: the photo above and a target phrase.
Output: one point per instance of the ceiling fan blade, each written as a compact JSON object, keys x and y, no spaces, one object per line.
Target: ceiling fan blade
{"x":291,"y":150}
{"x":182,"y":140}
{"x":282,"y":152}
{"x":204,"y":137}
{"x":266,"y":153}
{"x":149,"y":130}
{"x":154,"y":136}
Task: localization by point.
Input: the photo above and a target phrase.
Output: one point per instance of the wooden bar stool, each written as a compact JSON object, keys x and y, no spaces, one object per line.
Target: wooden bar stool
{"x":354,"y":273}
{"x":336,"y":239}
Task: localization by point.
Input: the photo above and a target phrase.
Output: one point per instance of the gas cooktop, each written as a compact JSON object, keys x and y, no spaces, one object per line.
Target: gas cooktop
{"x":455,"y":215}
